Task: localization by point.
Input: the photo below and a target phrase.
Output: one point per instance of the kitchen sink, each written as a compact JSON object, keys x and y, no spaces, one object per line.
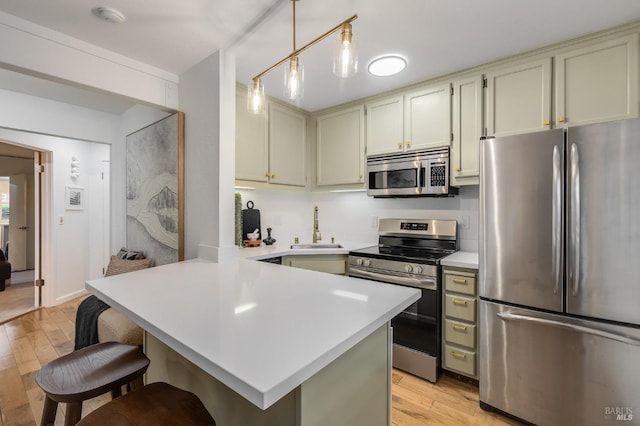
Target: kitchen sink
{"x":316,"y":246}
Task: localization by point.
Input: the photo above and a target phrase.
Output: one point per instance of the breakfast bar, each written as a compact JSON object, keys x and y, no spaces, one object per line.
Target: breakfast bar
{"x":263,"y":344}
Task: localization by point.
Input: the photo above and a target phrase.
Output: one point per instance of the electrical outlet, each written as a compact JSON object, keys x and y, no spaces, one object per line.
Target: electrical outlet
{"x":465,"y":221}
{"x":374,"y":221}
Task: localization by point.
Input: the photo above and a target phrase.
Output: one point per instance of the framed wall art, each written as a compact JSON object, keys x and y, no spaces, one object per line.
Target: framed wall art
{"x":74,"y":198}
{"x":155,"y":190}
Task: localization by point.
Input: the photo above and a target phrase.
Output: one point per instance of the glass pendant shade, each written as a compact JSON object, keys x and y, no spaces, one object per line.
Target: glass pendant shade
{"x":345,"y":54}
{"x":255,"y":97}
{"x":294,"y":79}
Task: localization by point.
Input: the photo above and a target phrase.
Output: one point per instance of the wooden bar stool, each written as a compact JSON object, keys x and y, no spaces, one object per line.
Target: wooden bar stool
{"x":87,"y":373}
{"x":155,"y":404}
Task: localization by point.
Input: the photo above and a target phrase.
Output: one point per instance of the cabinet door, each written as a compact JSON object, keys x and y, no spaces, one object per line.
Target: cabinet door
{"x":287,"y":146}
{"x":427,"y":122}
{"x":597,"y":83}
{"x":252,"y":143}
{"x":384,"y":126}
{"x":467,"y":130}
{"x":340,"y":149}
{"x":519,"y":99}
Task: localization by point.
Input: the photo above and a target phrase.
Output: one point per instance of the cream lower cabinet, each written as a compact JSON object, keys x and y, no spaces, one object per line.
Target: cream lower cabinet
{"x":467,"y":122}
{"x":417,"y":120}
{"x":330,"y":263}
{"x":340,"y":147}
{"x":598,"y":82}
{"x":460,"y":321}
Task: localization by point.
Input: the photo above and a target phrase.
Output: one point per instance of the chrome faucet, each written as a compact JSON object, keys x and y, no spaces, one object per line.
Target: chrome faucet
{"x":316,"y":230}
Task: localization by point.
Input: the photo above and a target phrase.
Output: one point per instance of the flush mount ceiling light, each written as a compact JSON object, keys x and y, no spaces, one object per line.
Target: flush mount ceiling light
{"x":108,"y":14}
{"x":387,"y":65}
{"x":345,"y":64}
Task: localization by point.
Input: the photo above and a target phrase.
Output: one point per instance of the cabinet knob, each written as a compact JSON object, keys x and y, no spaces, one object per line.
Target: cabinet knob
{"x":458,"y":169}
{"x":408,"y":144}
{"x":546,"y":123}
{"x":273,"y":176}
{"x":459,"y":327}
{"x":360,"y":176}
{"x":399,"y":145}
{"x":267,"y":174}
{"x":561,"y":119}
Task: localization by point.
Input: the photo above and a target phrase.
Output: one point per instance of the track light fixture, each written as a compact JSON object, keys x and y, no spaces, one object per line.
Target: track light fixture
{"x":345,"y":64}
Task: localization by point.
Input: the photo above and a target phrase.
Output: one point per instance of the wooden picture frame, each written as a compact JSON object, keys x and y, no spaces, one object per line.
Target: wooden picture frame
{"x":155,"y":190}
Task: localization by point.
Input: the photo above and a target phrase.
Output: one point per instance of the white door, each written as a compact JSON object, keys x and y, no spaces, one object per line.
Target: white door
{"x":18,"y":222}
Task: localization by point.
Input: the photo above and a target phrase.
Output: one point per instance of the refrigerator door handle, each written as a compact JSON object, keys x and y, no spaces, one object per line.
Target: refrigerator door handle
{"x":556,"y":224}
{"x":574,"y":269}
{"x":510,"y":316}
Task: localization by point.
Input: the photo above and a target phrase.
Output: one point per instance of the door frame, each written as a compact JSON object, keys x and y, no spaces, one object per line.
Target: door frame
{"x":43,"y":182}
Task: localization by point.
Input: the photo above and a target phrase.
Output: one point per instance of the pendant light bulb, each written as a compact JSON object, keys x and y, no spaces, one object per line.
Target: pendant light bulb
{"x":345,"y":56}
{"x":294,"y":79}
{"x":255,"y":97}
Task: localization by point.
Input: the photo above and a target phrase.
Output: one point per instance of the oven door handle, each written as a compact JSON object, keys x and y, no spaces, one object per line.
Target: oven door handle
{"x":424,"y":283}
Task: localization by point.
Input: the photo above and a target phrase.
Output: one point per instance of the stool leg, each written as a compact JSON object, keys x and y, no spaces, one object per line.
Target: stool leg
{"x":116,"y":392}
{"x":49,"y":411}
{"x":137,"y":383}
{"x":74,"y":412}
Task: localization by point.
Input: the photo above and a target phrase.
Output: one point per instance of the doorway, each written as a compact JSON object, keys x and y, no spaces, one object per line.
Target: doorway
{"x":18,"y":187}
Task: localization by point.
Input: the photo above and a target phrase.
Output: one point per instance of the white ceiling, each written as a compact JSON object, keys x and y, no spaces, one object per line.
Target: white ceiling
{"x":436,"y":36}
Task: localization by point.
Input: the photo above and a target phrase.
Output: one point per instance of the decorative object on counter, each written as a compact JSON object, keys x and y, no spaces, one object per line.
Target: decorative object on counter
{"x":251,"y":220}
{"x":238,"y":219}
{"x":253,"y":235}
{"x":269,"y":240}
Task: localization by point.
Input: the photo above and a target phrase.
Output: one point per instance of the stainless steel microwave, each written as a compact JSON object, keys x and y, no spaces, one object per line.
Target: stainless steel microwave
{"x":410,"y":174}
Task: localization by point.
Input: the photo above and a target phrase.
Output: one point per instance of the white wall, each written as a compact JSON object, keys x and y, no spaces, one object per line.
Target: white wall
{"x":207,"y":97}
{"x":351,"y":216}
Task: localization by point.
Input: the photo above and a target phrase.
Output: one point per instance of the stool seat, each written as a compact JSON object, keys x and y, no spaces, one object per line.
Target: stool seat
{"x":87,"y":373}
{"x":154,"y":404}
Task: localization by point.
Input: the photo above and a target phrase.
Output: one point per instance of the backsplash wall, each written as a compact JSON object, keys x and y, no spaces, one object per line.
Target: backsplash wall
{"x":352,"y":216}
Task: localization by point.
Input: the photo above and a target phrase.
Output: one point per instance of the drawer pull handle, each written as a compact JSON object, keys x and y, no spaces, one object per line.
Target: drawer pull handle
{"x":458,"y":355}
{"x":459,"y":280}
{"x":459,"y":327}
{"x":459,"y":302}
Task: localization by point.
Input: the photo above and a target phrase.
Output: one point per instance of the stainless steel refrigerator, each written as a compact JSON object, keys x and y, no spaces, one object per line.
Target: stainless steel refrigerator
{"x":559,"y":275}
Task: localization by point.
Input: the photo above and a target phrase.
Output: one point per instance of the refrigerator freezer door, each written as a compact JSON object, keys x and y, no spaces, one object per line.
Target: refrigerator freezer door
{"x":521,"y":219}
{"x":603,"y":228}
{"x":552,"y":370}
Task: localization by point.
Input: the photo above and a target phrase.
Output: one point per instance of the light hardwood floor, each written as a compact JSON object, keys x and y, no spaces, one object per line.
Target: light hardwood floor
{"x":38,"y":337}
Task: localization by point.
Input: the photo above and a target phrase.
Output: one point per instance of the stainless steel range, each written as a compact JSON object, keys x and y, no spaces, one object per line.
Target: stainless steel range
{"x":408,"y":253}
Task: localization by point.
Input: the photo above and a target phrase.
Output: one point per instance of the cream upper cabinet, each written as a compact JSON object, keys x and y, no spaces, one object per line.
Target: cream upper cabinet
{"x":287,"y":146}
{"x":427,"y":118}
{"x":597,"y":82}
{"x":340,"y":147}
{"x":466,"y":118}
{"x":252,"y":142}
{"x":417,"y":120}
{"x":518,"y":98}
{"x":385,"y":126}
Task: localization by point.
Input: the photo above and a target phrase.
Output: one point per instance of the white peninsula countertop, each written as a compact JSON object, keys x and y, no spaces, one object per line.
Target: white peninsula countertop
{"x":261,"y":329}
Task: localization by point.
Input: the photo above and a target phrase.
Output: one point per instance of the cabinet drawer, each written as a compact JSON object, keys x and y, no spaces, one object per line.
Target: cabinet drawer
{"x":460,"y":333}
{"x":460,"y":307}
{"x":460,"y":283}
{"x":460,"y":360}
